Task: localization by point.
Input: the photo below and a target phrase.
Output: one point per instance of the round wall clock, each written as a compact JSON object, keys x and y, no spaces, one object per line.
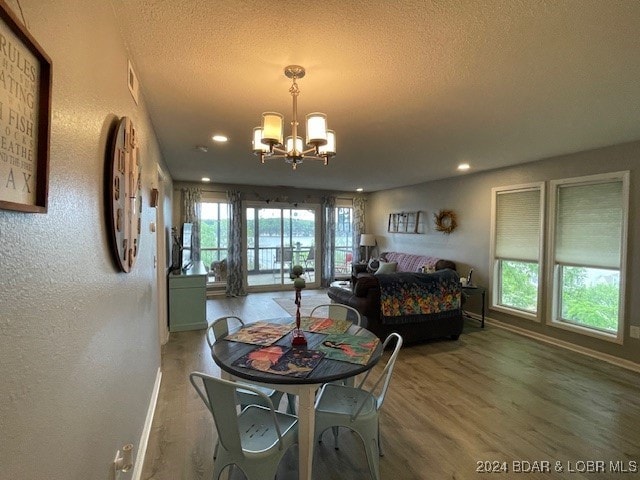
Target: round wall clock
{"x":124,"y":202}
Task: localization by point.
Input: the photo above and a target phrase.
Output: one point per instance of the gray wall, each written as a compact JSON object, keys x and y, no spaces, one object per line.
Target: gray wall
{"x":79,"y":344}
{"x":470,"y":197}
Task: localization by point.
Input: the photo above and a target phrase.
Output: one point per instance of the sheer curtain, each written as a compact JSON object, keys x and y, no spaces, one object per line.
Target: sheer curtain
{"x":235,"y":275}
{"x":359,"y":204}
{"x":328,"y":240}
{"x":191,"y":214}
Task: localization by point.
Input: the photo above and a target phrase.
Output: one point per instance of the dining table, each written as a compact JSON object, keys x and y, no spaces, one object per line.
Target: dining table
{"x":225,"y":353}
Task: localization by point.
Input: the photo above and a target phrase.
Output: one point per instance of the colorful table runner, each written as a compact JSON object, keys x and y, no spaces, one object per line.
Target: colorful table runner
{"x":260,"y":333}
{"x":294,"y":362}
{"x":348,"y":348}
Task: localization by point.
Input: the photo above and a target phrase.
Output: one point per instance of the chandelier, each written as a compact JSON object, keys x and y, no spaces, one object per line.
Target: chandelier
{"x":267,"y":139}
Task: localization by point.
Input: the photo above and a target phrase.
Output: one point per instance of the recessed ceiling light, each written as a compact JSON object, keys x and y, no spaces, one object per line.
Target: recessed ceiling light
{"x":359,"y":189}
{"x":464,"y":166}
{"x":206,"y":179}
{"x":219,"y":138}
{"x":202,"y":148}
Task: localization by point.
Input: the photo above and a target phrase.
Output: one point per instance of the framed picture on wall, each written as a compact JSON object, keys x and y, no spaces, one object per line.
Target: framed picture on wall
{"x":25,"y":117}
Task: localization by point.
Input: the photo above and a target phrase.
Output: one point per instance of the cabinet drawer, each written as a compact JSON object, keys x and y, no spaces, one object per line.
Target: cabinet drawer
{"x":187,"y":281}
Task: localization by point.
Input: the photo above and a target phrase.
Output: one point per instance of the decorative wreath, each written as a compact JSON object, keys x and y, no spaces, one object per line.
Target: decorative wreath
{"x":445,"y":221}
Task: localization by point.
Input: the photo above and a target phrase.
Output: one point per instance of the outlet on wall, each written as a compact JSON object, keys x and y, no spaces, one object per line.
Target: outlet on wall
{"x":634,"y":331}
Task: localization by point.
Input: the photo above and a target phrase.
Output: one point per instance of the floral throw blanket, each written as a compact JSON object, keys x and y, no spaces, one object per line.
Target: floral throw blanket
{"x":412,"y":297}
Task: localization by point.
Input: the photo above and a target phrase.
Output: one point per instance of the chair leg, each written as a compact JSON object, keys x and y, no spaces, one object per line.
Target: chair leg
{"x":380,"y":452}
{"x":373,"y":457}
{"x":291,"y":404}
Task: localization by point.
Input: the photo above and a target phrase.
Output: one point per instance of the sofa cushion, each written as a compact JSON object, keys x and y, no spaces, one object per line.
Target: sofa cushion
{"x":387,"y":267}
{"x":408,"y":262}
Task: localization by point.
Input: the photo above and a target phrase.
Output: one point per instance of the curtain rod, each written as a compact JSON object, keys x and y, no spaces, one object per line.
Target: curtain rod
{"x":178,"y":189}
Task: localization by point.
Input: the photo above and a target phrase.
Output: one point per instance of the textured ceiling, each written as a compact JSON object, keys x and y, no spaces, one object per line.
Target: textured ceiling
{"x":411,"y":87}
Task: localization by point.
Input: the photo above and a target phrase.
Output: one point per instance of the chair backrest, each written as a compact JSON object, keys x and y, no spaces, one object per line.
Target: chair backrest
{"x":284,"y":255}
{"x":219,"y":328}
{"x":311,"y":255}
{"x":385,"y":376}
{"x":337,"y":311}
{"x":219,"y":396}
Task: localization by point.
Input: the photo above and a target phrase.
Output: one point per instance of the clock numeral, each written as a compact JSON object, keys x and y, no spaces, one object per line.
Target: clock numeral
{"x":135,"y":247}
{"x":138,"y":225}
{"x":127,"y":137}
{"x":122,"y":162}
{"x":119,"y":220}
{"x":124,"y":248}
{"x":116,"y":188}
{"x":133,"y":138}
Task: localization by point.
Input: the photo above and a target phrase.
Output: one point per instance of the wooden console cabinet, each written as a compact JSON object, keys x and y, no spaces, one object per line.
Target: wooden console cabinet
{"x":188,"y":299}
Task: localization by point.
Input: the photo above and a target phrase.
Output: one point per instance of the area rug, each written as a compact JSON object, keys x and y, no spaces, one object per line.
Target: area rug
{"x":307,"y":303}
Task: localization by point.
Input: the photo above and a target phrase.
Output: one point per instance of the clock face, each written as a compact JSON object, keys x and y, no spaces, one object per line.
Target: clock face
{"x":125,"y":198}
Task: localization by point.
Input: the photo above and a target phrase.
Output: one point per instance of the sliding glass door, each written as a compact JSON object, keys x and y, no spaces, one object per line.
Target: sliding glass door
{"x":279,"y":237}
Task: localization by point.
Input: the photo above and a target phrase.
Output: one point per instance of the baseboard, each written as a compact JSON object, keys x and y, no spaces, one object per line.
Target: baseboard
{"x":605,"y":357}
{"x":146,"y":431}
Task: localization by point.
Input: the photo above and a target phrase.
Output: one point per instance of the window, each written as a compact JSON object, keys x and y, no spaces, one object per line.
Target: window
{"x":516,"y":248}
{"x":587,"y":251}
{"x":343,"y":248}
{"x":214,"y":233}
{"x":279,"y":237}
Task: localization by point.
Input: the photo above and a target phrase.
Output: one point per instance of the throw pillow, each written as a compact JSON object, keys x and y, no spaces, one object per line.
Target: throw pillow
{"x":373,"y":265}
{"x":387,"y":267}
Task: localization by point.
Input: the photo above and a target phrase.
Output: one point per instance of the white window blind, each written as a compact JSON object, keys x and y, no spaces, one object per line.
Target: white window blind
{"x":518,"y":225}
{"x":589,"y":221}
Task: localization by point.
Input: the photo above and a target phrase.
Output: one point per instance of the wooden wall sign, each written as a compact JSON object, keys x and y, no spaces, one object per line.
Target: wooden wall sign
{"x":25,"y":117}
{"x":403,"y":222}
{"x":124,"y":195}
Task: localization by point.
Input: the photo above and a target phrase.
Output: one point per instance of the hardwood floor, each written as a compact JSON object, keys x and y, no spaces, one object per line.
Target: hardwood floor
{"x":492,"y":396}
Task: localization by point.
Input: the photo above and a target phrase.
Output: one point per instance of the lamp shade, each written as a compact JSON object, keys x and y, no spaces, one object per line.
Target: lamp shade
{"x":272,"y":128}
{"x":367,"y":240}
{"x":289,"y":145}
{"x":316,"y":129}
{"x":258,"y":146}
{"x":330,"y":147}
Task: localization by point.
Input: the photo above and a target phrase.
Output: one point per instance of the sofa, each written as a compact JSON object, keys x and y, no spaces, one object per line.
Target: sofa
{"x":419,"y":306}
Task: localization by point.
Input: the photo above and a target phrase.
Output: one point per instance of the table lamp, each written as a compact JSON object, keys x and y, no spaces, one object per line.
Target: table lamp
{"x":367,"y":240}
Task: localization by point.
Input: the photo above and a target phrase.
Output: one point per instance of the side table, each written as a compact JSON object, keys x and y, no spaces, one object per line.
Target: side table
{"x":471,"y":290}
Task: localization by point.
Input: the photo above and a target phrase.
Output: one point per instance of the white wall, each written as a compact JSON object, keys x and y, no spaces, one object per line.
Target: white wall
{"x":469,"y":195}
{"x":79,"y":344}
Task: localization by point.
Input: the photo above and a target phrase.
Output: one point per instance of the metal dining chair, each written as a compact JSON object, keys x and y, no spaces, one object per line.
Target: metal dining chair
{"x":219,"y":329}
{"x":337,"y":311}
{"x":309,"y":262}
{"x":256,"y":440}
{"x":358,"y":408}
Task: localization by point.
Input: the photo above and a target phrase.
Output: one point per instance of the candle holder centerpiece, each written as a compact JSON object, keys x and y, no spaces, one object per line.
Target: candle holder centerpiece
{"x":298,"y":337}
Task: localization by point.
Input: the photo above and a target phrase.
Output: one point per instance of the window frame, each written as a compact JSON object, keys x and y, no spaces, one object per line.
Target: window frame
{"x":343,"y":203}
{"x":219,"y":198}
{"x":554,"y":278}
{"x":494,"y":267}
